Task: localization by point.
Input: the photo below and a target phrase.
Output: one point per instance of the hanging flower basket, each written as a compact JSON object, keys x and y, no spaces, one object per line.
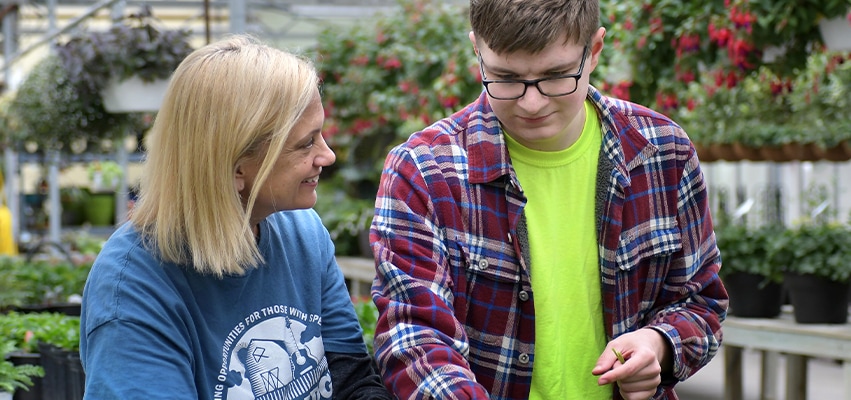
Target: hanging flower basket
{"x":134,"y":95}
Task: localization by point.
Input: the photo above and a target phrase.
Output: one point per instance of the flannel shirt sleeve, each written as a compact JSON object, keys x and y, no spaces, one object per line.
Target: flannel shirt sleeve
{"x":420,"y":346}
{"x":693,"y":322}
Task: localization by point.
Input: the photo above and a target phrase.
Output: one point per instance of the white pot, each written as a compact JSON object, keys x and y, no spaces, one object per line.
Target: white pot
{"x":771,"y":53}
{"x":836,"y":33}
{"x":5,"y":396}
{"x":134,"y":95}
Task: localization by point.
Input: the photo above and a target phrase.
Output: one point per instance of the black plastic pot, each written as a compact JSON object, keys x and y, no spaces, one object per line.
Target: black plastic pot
{"x":63,"y":373}
{"x":34,"y":393}
{"x":817,"y":300}
{"x":752,"y":297}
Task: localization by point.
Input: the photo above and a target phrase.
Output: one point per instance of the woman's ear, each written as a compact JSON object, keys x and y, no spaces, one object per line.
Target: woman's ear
{"x":239,"y":178}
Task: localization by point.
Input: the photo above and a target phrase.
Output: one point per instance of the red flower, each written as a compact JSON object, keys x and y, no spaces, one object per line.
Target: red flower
{"x":330,"y":131}
{"x":686,"y":77}
{"x":392,"y":63}
{"x":380,"y":37}
{"x":621,"y":90}
{"x":719,"y":36}
{"x":656,"y":25}
{"x":360,"y":126}
{"x":360,"y":60}
{"x":448,"y":101}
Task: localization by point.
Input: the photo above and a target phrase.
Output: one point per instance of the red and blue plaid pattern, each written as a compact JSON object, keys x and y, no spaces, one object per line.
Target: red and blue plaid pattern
{"x":452,"y":285}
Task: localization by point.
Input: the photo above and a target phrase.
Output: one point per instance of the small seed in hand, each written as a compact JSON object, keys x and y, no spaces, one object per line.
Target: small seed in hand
{"x":619,"y":355}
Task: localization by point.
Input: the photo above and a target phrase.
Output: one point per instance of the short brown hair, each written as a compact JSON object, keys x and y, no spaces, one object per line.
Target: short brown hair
{"x":508,"y":26}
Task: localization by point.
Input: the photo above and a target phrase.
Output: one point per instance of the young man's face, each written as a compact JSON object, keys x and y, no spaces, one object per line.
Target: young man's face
{"x":537,"y":121}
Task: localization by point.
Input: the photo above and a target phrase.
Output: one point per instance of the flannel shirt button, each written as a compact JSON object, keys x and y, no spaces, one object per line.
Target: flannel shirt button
{"x":524,"y":358}
{"x":483,"y":264}
{"x":524,"y":295}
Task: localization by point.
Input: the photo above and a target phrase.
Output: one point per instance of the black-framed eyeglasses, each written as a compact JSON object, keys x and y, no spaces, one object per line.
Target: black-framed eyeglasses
{"x":551,"y":86}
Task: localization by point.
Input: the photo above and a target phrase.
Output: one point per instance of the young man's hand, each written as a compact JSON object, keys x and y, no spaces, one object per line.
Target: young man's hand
{"x":645,"y":351}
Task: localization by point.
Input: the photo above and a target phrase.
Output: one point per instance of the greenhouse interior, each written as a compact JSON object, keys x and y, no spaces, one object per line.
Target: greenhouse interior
{"x":761,"y":87}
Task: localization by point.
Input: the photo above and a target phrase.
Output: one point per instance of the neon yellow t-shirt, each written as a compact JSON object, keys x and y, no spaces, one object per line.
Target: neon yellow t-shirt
{"x":569,"y":332}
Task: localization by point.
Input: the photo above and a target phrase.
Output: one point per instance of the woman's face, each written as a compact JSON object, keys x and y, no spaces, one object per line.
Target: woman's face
{"x":295,"y":175}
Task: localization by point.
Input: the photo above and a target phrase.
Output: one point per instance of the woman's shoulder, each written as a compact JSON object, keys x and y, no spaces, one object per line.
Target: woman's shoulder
{"x":307,"y":216}
{"x":296,"y":228}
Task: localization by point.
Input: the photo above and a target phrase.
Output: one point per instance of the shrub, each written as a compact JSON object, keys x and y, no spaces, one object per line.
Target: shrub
{"x":385,"y":79}
{"x":14,"y":377}
{"x":821,"y":249}
{"x":745,"y":249}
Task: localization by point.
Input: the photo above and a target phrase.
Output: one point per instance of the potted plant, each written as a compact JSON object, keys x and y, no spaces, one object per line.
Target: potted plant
{"x":658,"y":48}
{"x":26,"y":333}
{"x":765,"y":117}
{"x":662,"y":45}
{"x":817,"y":274}
{"x":736,"y":116}
{"x":41,"y":284}
{"x":386,"y":78}
{"x":59,"y":346}
{"x":60,"y":105}
{"x":133,"y":50}
{"x":72,"y":199}
{"x":50,"y":111}
{"x":753,"y":280}
{"x":820,"y":99}
{"x":104,"y":177}
{"x":54,"y":338}
{"x":16,"y":377}
{"x":836,"y":32}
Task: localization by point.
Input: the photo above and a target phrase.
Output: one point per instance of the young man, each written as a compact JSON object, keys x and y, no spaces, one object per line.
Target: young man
{"x":525,"y":240}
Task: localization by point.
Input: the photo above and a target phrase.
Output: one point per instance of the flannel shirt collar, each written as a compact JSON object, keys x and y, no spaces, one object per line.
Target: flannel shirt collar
{"x":623,"y":144}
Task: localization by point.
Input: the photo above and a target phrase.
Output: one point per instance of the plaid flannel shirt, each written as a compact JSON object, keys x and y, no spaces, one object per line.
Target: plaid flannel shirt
{"x":453,"y":287}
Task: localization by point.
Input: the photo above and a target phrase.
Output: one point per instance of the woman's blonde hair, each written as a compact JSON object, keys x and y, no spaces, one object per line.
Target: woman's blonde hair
{"x":225,"y":103}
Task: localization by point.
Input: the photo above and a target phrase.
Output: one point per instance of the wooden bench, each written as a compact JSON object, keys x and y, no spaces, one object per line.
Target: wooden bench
{"x":782,"y":336}
{"x":359,"y":273}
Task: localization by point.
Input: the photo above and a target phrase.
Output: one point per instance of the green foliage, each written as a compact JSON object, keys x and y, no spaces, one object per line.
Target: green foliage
{"x":59,"y":103}
{"x":367,"y":316}
{"x":745,"y":249}
{"x":84,"y":243}
{"x":658,"y":48}
{"x":9,"y":122}
{"x":821,"y":97}
{"x":662,"y":44}
{"x":346,"y":218}
{"x":14,"y":377}
{"x":104,"y":175}
{"x":39,"y":281}
{"x":819,"y":249}
{"x":388,"y":77}
{"x":133,"y":46}
{"x":26,"y":330}
{"x":764,"y":109}
{"x":51,"y":112}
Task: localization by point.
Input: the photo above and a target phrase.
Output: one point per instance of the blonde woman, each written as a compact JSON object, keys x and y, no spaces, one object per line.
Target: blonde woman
{"x":224,"y":284}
